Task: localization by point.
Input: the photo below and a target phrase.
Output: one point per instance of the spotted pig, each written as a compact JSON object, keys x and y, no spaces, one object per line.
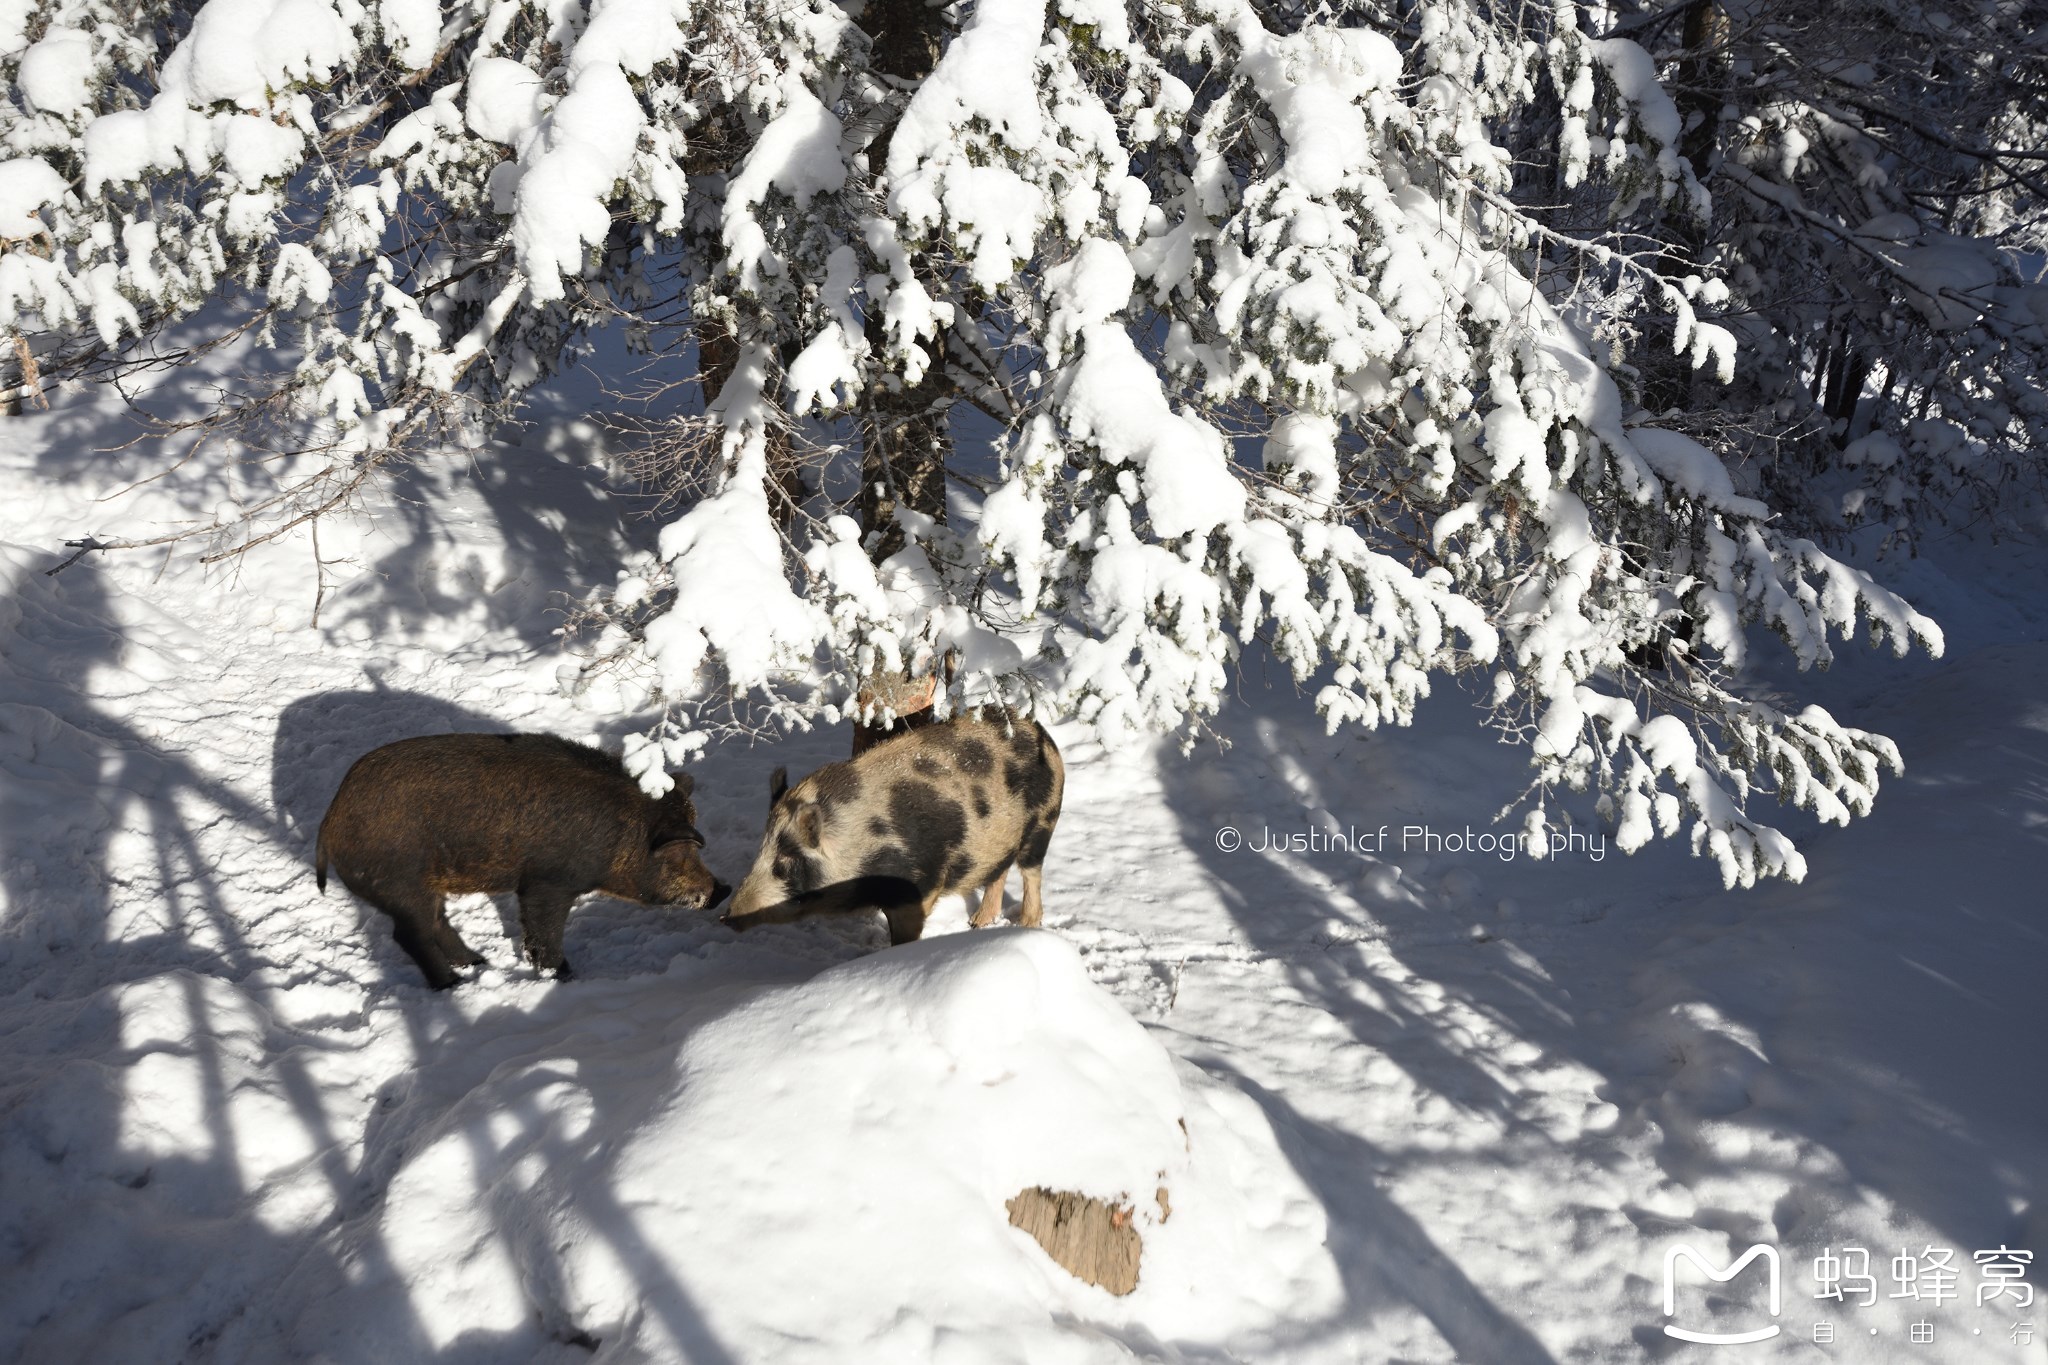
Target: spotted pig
{"x":938,"y":810}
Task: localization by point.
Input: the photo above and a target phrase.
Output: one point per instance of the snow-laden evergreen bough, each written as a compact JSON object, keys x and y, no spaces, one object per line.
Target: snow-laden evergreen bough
{"x":1879,"y":212}
{"x":1278,"y":350}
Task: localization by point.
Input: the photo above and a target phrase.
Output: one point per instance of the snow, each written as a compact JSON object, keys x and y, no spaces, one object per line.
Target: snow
{"x":506,"y":100}
{"x":254,"y":149}
{"x":1012,"y":527}
{"x":987,"y":79}
{"x":246,"y":51}
{"x":725,"y":558}
{"x":798,"y":156}
{"x":1091,"y":286}
{"x":1685,"y":463}
{"x":56,"y":71}
{"x":979,"y":77}
{"x":1314,"y":81}
{"x":1303,"y":446}
{"x":632,"y":35}
{"x":1360,"y":435}
{"x":1635,"y":76}
{"x":828,"y":369}
{"x":581,"y":150}
{"x":1329,"y":237}
{"x":877,"y":1116}
{"x":1441,"y":1106}
{"x":26,"y":184}
{"x":1950,"y":279}
{"x":1112,"y":399}
{"x":413,"y":30}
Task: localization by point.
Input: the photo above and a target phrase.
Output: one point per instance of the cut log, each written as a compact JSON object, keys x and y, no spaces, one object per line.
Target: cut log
{"x":1089,"y":1239}
{"x":909,"y":699}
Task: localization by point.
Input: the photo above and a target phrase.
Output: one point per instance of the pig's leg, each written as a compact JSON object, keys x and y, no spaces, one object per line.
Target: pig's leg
{"x":543,"y":915}
{"x":1033,"y":910}
{"x":451,"y":944}
{"x":1031,"y":862}
{"x":991,"y":900}
{"x":412,"y":924}
{"x":906,"y":915}
{"x":906,"y":918}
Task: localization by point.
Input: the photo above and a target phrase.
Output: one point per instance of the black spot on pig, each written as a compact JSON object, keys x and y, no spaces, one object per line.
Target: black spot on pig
{"x":877,"y":825}
{"x":1031,"y":773}
{"x":838,"y":785}
{"x":930,"y":826}
{"x":1031,"y":848}
{"x":974,"y":758}
{"x":795,"y":865}
{"x":1029,"y":781}
{"x":888,"y":861}
{"x":981,"y":806}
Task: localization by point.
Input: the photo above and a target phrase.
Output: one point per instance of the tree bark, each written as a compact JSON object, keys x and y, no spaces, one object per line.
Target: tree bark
{"x":906,"y":439}
{"x":1702,"y":85}
{"x":1699,"y":92}
{"x":718,"y":355}
{"x":1086,"y":1237}
{"x":905,"y":443}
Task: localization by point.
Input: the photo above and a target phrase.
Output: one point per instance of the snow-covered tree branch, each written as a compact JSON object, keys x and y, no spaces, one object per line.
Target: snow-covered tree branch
{"x":1345,"y":328}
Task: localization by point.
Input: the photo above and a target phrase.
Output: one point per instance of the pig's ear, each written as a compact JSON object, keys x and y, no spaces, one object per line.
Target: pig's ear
{"x":684,"y":784}
{"x":778,"y":787}
{"x":807,"y":824}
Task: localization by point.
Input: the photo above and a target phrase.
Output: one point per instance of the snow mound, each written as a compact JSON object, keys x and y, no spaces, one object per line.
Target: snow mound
{"x":817,"y":1172}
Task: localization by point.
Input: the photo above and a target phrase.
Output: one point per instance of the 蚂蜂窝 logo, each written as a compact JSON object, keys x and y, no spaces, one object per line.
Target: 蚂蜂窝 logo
{"x":1671,"y":1259}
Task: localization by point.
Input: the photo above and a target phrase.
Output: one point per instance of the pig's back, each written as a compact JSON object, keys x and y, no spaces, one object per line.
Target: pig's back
{"x":477,"y":812}
{"x":960,"y":798}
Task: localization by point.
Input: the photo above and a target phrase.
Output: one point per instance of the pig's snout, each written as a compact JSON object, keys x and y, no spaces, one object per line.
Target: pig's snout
{"x":703,"y":899}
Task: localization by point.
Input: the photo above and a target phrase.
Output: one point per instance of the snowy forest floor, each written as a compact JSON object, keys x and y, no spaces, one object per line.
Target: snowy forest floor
{"x":1508,"y":1087}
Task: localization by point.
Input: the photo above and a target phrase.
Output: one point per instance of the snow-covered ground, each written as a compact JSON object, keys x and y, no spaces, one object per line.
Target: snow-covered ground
{"x":1437,"y":1105}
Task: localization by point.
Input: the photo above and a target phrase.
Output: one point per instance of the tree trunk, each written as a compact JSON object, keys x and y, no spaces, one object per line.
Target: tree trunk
{"x":718,"y":354}
{"x":1699,"y":92}
{"x":1086,"y":1237}
{"x":1702,"y":85}
{"x":1852,"y":371}
{"x":905,"y":443}
{"x":906,"y":440}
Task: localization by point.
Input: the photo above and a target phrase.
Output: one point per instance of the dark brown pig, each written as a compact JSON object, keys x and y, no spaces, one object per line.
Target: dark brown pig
{"x":938,"y":810}
{"x":423,"y":819}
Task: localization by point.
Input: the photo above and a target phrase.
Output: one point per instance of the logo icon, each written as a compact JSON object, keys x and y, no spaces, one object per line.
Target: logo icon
{"x":1671,"y":1258}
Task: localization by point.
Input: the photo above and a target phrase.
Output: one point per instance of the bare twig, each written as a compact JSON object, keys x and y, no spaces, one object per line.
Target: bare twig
{"x":82,"y":549}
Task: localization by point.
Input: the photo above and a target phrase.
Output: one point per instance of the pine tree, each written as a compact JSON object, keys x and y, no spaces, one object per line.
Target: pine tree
{"x":1878,"y":183}
{"x":1285,"y":338}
